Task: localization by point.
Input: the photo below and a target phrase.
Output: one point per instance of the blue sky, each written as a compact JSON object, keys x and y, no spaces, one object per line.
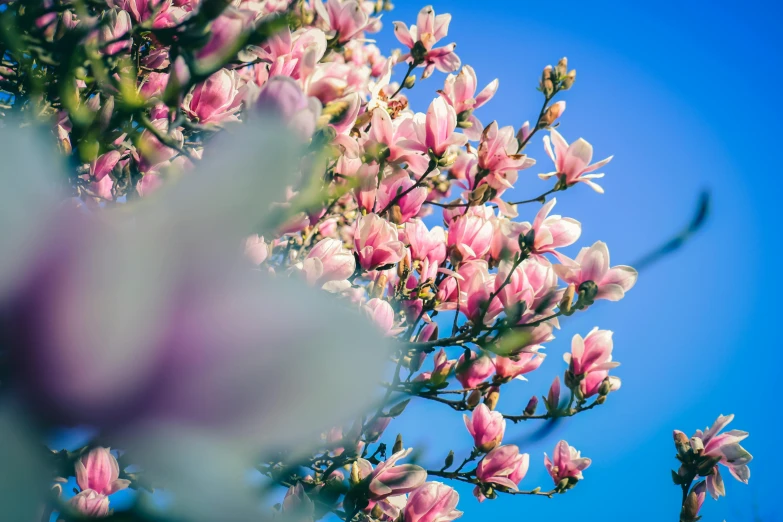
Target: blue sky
{"x":684,"y":96}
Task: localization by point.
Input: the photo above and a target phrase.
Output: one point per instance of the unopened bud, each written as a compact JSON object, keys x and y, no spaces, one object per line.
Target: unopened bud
{"x":449,"y":460}
{"x":532,"y":404}
{"x":478,"y":195}
{"x":697,"y":445}
{"x":355,"y":476}
{"x":605,"y":388}
{"x":552,"y":114}
{"x":492,"y":397}
{"x":681,"y":443}
{"x":379,"y":286}
{"x":569,"y":80}
{"x":409,"y":82}
{"x":562,"y":67}
{"x":473,"y":399}
{"x":600,"y":399}
{"x":448,"y":158}
{"x":568,"y":298}
{"x":397,"y":443}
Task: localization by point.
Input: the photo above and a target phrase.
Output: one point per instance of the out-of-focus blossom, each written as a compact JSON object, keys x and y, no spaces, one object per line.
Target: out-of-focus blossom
{"x":566,"y":463}
{"x":100,"y":472}
{"x":515,"y":367}
{"x":592,"y":264}
{"x":282,"y":97}
{"x":225,"y":39}
{"x":216,"y":100}
{"x":328,"y":261}
{"x":116,"y":25}
{"x":474,"y":371}
{"x":422,"y":37}
{"x":390,"y":479}
{"x":90,"y":503}
{"x":256,"y":249}
{"x":382,"y":314}
{"x":486,"y":427}
{"x":573,"y":162}
{"x":432,"y":502}
{"x":213,"y":336}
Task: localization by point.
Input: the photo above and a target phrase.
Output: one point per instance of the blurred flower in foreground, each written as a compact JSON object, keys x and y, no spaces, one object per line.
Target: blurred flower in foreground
{"x":146,"y":323}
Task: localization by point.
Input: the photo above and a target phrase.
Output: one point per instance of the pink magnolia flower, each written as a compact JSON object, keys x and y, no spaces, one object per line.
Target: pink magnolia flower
{"x":113,"y":30}
{"x":382,"y":314}
{"x":421,"y":38}
{"x":591,"y":357}
{"x":345,"y":18}
{"x":283,"y":98}
{"x":256,"y":250}
{"x":226,"y":38}
{"x":328,"y":261}
{"x":505,"y":238}
{"x":592,"y":264}
{"x":475,"y":370}
{"x":552,"y":232}
{"x":460,"y":93}
{"x":442,"y":367}
{"x":725,"y":446}
{"x":566,"y":462}
{"x":390,"y":479}
{"x":573,"y":162}
{"x":153,"y":152}
{"x":432,"y":502}
{"x":376,"y":242}
{"x":503,"y":466}
{"x":426,"y":246}
{"x":410,"y":204}
{"x":90,"y":503}
{"x":439,"y":127}
{"x":216,"y":100}
{"x":471,"y":236}
{"x":399,"y":136}
{"x":475,"y":303}
{"x":515,"y":367}
{"x":486,"y":427}
{"x":497,"y":155}
{"x":99,"y":471}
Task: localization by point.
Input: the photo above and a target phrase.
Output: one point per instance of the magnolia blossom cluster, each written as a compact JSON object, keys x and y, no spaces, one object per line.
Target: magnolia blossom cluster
{"x":404,"y":214}
{"x":699,"y":457}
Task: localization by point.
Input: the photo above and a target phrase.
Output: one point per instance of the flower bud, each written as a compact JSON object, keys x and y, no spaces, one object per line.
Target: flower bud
{"x":492,"y":397}
{"x":552,"y":113}
{"x":532,"y":404}
{"x":449,"y":460}
{"x":397,"y":444}
{"x":681,"y":443}
{"x":569,"y":80}
{"x":697,"y":445}
{"x":568,"y":298}
{"x":409,"y":82}
{"x":473,"y":399}
{"x":553,"y":397}
{"x":562,"y":67}
{"x":605,"y":388}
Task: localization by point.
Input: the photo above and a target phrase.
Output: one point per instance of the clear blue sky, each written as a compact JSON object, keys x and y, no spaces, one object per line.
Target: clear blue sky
{"x":685,"y":96}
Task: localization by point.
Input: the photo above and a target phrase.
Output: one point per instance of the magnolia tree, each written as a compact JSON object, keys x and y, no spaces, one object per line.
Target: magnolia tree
{"x":334,"y":255}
